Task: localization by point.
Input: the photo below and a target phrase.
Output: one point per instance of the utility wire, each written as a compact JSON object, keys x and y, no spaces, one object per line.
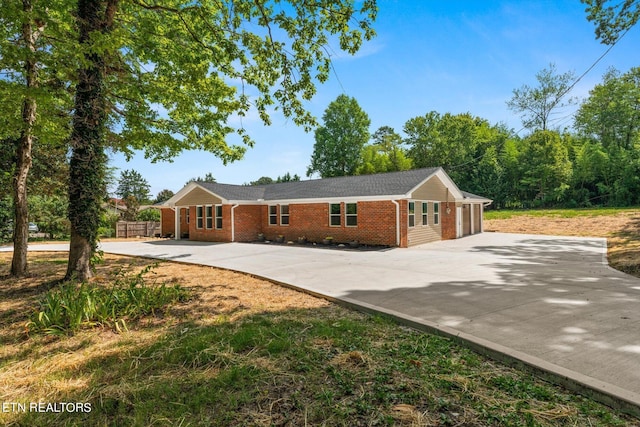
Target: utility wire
{"x":558,"y":100}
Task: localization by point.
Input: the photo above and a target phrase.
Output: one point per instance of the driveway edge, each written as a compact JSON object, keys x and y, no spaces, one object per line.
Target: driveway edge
{"x":610,"y":395}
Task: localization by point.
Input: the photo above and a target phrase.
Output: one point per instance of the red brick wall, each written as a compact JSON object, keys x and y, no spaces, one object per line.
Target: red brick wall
{"x":448,"y":221}
{"x":213,"y":234}
{"x":168,"y":221}
{"x":248,"y":220}
{"x":376,"y":223}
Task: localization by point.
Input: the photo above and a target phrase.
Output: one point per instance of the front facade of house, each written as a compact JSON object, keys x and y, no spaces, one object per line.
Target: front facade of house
{"x":393,"y":209}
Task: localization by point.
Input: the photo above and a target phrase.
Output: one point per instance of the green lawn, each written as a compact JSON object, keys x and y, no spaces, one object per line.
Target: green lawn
{"x":557,"y":213}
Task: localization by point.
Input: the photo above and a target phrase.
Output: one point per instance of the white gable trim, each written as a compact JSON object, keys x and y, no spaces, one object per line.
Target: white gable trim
{"x":188,"y":189}
{"x":446,"y":180}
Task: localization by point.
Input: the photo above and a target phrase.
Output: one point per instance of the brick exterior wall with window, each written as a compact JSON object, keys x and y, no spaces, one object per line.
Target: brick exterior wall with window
{"x":375,"y":223}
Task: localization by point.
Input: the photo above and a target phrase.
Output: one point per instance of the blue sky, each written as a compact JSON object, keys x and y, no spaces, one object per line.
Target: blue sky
{"x":444,"y":56}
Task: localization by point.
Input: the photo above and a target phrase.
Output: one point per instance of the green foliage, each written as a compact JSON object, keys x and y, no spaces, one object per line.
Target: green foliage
{"x":148,"y":215}
{"x":612,"y":18}
{"x":167,"y":78}
{"x":536,"y":104}
{"x":386,"y":154}
{"x":548,"y":169}
{"x":133,"y":205}
{"x":6,"y":219}
{"x":72,"y":306}
{"x":262,"y":181}
{"x":340,"y":139}
{"x":133,"y":184}
{"x":287,"y":177}
{"x":207,"y":178}
{"x":163,"y":196}
{"x":50,"y":213}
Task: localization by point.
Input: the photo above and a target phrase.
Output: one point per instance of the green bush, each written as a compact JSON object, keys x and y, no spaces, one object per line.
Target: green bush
{"x":148,"y":215}
{"x":72,"y":306}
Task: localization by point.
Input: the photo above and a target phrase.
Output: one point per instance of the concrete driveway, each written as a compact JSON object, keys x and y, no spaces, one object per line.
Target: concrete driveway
{"x":550,"y":302}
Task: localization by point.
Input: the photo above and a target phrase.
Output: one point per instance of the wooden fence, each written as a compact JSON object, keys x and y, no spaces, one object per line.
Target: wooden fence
{"x":126,"y":229}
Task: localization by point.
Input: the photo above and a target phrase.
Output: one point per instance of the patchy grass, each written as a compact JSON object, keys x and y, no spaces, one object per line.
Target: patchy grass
{"x":621,"y":228}
{"x":557,"y":213}
{"x":247,"y":352}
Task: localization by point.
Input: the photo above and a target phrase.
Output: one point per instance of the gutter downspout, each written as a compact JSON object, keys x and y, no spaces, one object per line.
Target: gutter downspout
{"x":233,"y":223}
{"x":176,"y":225}
{"x":397,"y":222}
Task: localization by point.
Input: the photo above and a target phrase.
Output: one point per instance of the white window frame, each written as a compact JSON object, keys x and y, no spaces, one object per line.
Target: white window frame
{"x":273,"y":215}
{"x":425,"y":213}
{"x":187,"y":214}
{"x":348,"y":215}
{"x":217,"y":217}
{"x":284,"y":215}
{"x":334,"y":215}
{"x":208,"y":217}
{"x":199,"y":217}
{"x":410,"y":215}
{"x":436,"y":213}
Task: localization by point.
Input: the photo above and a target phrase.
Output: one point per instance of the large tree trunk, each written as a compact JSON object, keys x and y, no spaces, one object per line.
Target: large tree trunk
{"x":23,"y":152}
{"x":88,"y":158}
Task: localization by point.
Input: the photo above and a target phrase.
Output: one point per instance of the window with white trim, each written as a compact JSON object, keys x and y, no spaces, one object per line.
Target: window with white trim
{"x":208,"y":211}
{"x":284,"y":214}
{"x":188,"y":211}
{"x":436,"y":213}
{"x":412,"y":214}
{"x":351,"y":214}
{"x":425,"y":213}
{"x":199,"y":212}
{"x":334,"y":215}
{"x":219,"y":217}
{"x":273,"y":215}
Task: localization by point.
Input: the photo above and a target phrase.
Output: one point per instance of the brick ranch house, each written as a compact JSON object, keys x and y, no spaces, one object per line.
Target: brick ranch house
{"x":394,"y":209}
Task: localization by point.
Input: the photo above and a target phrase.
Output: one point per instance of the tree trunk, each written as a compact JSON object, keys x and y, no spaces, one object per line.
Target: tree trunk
{"x":88,"y":158}
{"x":23,"y":152}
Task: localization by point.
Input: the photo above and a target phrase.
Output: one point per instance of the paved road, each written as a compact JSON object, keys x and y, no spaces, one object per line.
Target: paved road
{"x":551,"y":302}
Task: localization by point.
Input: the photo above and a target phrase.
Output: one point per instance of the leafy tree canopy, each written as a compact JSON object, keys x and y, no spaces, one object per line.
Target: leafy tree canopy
{"x":536,"y":105}
{"x":208,"y":177}
{"x":340,"y":139}
{"x":133,"y":184}
{"x":163,"y":196}
{"x":612,"y":17}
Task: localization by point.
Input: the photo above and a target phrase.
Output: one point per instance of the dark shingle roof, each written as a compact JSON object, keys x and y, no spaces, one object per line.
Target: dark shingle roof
{"x":384,"y":184}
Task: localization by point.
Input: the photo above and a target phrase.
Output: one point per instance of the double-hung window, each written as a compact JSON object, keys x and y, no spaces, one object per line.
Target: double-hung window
{"x":436,"y":213}
{"x":284,"y":214}
{"x":199,"y":212}
{"x":273,"y":215}
{"x":425,"y":213}
{"x":334,"y":214}
{"x":351,"y":214}
{"x":218,"y":217}
{"x":187,"y":210}
{"x":209,"y":216}
{"x":412,"y":214}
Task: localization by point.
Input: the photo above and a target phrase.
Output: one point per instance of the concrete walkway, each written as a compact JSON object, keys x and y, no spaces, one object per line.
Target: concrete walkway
{"x":550,"y":303}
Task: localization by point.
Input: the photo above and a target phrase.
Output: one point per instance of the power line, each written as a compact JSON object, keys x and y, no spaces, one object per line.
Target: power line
{"x":558,"y":99}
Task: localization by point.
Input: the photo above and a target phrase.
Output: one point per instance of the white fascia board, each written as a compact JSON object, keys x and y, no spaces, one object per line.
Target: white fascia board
{"x":186,"y":190}
{"x":446,"y":180}
{"x":351,"y":199}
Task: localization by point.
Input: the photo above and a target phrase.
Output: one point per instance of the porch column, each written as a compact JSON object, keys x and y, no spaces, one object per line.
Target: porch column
{"x":471,"y":209}
{"x":176,"y":234}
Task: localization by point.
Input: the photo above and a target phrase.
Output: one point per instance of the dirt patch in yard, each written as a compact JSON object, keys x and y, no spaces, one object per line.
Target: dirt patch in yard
{"x":622,"y":231}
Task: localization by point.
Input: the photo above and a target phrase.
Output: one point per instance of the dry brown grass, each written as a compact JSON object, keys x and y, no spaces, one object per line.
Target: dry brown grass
{"x":220,"y":295}
{"x":622,"y":231}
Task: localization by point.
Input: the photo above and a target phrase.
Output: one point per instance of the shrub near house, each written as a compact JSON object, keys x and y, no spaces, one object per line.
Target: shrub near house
{"x":393,"y":209}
